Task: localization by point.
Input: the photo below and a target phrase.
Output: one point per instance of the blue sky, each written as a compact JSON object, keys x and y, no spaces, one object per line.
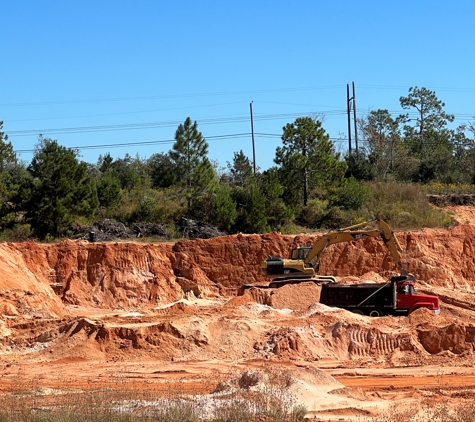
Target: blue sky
{"x":103,"y":73}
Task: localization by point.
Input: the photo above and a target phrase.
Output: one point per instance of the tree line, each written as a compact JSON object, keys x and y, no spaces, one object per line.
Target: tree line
{"x":310,"y":184}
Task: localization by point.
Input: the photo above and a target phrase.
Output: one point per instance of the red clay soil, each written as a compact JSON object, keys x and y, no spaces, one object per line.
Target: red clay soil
{"x":163,"y":312}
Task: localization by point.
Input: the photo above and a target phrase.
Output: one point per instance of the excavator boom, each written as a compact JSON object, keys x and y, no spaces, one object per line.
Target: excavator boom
{"x":349,"y":234}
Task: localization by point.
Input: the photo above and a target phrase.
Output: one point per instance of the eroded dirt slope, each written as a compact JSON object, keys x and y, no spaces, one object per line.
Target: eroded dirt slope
{"x":89,"y":308}
{"x":135,"y":276}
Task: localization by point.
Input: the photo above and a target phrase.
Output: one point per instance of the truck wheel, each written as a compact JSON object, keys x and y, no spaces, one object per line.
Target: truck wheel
{"x":358,"y":312}
{"x":375,"y":313}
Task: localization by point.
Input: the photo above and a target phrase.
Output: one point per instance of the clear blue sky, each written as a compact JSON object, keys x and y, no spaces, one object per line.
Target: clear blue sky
{"x":93,"y":73}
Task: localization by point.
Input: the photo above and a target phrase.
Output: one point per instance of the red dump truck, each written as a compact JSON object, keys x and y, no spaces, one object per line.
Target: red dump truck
{"x":396,"y":297}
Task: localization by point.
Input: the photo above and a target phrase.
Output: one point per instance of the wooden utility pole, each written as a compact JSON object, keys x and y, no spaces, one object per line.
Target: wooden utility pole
{"x":354,"y":118}
{"x":253,"y":144}
{"x":349,"y":116}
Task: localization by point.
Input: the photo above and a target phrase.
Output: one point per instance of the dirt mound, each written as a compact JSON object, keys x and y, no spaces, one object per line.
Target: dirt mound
{"x":22,"y":292}
{"x":463,"y":215}
{"x":455,"y":338}
{"x":288,"y":382}
{"x":297,"y":297}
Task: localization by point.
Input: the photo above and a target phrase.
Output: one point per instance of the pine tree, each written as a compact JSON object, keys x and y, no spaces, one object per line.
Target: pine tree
{"x":423,"y":133}
{"x":240,"y":171}
{"x":7,"y":155}
{"x":276,"y":211}
{"x":9,"y":186}
{"x":108,"y":190}
{"x":225,"y":209}
{"x":307,"y":159}
{"x":61,"y":189}
{"x":189,"y":156}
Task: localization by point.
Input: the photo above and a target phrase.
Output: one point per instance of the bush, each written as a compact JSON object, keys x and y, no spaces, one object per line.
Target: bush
{"x":351,"y":196}
{"x":314,"y":213}
{"x":402,"y":206}
{"x":165,"y":206}
{"x":143,"y":210}
{"x":19,"y":233}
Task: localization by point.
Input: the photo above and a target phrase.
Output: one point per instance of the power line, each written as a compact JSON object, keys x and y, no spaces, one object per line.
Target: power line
{"x":152,"y":125}
{"x":144,"y":143}
{"x":206,"y":121}
{"x":170,"y":141}
{"x":221,"y":93}
{"x":129,"y":112}
{"x":433,"y":88}
{"x":155,"y":97}
{"x":338,"y":140}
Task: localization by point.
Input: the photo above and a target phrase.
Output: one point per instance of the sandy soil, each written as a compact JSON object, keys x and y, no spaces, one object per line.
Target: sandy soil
{"x":80,"y":315}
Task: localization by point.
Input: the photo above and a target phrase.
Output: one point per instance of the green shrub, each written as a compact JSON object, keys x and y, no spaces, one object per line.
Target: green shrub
{"x":314,"y":213}
{"x":402,"y":206}
{"x":143,"y":210}
{"x":19,"y":233}
{"x":351,"y":196}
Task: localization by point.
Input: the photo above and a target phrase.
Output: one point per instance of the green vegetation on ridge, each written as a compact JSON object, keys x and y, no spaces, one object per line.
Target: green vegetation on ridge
{"x":399,"y":161}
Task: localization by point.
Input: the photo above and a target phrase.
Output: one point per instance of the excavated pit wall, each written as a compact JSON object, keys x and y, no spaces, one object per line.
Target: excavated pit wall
{"x":38,"y":279}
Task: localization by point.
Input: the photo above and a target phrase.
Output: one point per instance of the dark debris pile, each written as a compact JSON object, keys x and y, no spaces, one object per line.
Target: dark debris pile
{"x":451,"y":199}
{"x":196,"y":230}
{"x":103,"y":231}
{"x":149,"y":230}
{"x":109,"y":230}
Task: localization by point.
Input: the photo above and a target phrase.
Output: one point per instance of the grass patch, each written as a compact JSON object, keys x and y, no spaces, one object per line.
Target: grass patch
{"x":443,"y":410}
{"x":403,"y":206}
{"x":266,"y":398}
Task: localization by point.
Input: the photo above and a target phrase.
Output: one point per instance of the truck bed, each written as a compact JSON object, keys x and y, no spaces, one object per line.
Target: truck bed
{"x":352,"y":295}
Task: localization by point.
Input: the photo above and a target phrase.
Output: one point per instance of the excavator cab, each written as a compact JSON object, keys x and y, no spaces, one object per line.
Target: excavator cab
{"x":301,"y":252}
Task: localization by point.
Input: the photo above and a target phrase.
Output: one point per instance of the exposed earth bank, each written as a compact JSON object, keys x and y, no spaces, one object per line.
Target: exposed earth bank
{"x":91,"y":309}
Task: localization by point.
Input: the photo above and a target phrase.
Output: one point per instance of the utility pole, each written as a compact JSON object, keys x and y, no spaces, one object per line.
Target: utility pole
{"x":348,"y":99}
{"x":354,"y":118}
{"x":253,"y":145}
{"x":351,"y":102}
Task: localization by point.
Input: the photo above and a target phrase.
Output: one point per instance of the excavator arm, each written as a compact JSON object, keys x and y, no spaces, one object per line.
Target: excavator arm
{"x":306,"y":266}
{"x":349,"y":234}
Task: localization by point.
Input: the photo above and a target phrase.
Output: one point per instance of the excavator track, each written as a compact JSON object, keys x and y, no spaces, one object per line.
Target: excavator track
{"x":280,"y":282}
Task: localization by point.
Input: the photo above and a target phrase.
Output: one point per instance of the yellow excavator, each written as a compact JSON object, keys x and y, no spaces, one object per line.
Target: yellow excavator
{"x":305,"y":260}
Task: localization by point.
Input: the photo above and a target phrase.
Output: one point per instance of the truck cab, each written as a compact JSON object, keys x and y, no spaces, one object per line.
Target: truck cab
{"x":408,"y":300}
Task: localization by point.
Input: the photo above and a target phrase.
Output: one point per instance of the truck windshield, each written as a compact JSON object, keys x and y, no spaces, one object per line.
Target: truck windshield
{"x":406,"y":289}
